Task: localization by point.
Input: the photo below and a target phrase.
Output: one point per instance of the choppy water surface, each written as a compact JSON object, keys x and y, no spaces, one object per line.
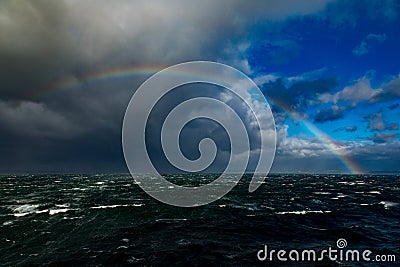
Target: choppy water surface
{"x":103,"y":220}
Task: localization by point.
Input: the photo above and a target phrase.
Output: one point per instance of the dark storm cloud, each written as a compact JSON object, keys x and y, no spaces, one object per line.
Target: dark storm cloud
{"x":390,"y":91}
{"x":381,"y":138}
{"x":349,"y":129}
{"x":71,"y":131}
{"x":331,"y":114}
{"x":44,"y":42}
{"x":30,"y":47}
{"x":300,"y":92}
{"x":297,"y":95}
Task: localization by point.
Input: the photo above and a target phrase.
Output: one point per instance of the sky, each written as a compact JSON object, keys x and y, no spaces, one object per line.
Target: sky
{"x":329,"y":69}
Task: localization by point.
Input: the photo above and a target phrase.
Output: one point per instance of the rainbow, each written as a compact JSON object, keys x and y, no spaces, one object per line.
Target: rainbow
{"x":127,"y":72}
{"x":325,"y":139}
{"x":92,"y":78}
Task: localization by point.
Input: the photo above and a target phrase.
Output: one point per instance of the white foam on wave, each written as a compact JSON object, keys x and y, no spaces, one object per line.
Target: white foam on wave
{"x":79,"y":189}
{"x":55,"y":211}
{"x":117,"y":206}
{"x":28,"y":209}
{"x":349,"y":183}
{"x":62,"y":205}
{"x":388,"y":204}
{"x":72,"y":218}
{"x":24,"y":209}
{"x":303,"y":212}
{"x":171,"y":220}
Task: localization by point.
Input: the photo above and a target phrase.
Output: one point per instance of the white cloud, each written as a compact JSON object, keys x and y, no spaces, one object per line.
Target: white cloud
{"x":365,"y":45}
{"x":300,"y":154}
{"x":290,"y":80}
{"x":360,"y":91}
{"x":266,"y":78}
{"x":306,"y":76}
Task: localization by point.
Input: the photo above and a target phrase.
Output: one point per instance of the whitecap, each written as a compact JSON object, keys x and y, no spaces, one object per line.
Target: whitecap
{"x":72,"y":218}
{"x":41,"y":211}
{"x":171,"y":220}
{"x":62,"y":205}
{"x":117,"y":206}
{"x":79,"y":189}
{"x":303,"y":212}
{"x":26,"y":208}
{"x":21,"y":214}
{"x":55,"y":211}
{"x":388,"y":204}
{"x":108,"y":206}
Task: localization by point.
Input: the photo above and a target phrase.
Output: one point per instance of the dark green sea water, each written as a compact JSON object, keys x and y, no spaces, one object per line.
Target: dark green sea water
{"x":107,"y":220}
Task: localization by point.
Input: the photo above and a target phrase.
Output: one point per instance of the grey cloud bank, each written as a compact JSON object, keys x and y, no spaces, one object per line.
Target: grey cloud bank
{"x":79,"y":130}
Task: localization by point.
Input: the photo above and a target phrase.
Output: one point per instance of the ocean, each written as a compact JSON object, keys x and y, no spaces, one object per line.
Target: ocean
{"x":107,"y":220}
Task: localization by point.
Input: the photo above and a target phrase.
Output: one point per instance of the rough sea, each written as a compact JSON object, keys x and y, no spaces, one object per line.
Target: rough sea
{"x":107,"y":220}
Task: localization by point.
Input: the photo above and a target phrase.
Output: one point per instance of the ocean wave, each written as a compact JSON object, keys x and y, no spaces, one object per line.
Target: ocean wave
{"x":388,"y":204}
{"x":303,"y":212}
{"x":117,"y":206}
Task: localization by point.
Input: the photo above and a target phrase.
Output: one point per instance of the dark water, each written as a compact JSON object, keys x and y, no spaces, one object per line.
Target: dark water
{"x":104,"y":220}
